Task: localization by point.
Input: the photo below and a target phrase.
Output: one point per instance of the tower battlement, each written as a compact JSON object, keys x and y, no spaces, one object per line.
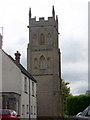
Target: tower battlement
{"x":50,"y":21}
{"x":42,"y":20}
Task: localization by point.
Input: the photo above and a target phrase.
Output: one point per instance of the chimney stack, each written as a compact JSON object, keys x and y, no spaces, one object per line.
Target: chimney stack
{"x":1,"y":41}
{"x":17,"y":57}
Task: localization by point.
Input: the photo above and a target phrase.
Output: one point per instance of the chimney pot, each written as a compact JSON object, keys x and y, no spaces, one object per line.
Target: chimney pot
{"x":17,"y":57}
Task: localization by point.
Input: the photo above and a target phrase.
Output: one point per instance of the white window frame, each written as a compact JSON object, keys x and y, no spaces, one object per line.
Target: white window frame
{"x":23,"y":109}
{"x":25,"y":84}
{"x":32,"y":88}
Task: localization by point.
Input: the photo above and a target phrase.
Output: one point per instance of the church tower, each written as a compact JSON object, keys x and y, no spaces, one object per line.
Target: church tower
{"x":43,"y":62}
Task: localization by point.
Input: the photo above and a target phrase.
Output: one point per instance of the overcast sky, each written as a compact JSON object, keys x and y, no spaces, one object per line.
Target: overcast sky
{"x":73,"y":38}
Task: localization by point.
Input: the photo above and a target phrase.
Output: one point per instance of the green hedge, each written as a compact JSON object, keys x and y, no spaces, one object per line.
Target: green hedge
{"x":76,"y":104}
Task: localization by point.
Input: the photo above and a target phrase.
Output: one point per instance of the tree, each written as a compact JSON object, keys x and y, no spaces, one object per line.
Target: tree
{"x":66,"y":92}
{"x":65,"y":88}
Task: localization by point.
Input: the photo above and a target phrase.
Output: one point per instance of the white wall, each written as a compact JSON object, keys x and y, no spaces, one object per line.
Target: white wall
{"x":0,"y":78}
{"x":33,"y":102}
{"x":0,"y":70}
{"x":11,"y":75}
{"x":13,"y":81}
{"x":25,"y":97}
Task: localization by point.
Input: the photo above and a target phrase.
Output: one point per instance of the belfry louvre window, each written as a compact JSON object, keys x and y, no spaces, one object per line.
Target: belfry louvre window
{"x":36,"y":63}
{"x":35,"y":42}
{"x":49,"y":41}
{"x":42,"y":39}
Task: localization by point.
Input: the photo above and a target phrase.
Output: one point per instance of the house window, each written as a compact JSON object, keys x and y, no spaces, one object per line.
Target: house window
{"x":32,"y":88}
{"x":23,"y":109}
{"x":31,"y":109}
{"x":34,"y":110}
{"x":25,"y":85}
{"x":27,"y":109}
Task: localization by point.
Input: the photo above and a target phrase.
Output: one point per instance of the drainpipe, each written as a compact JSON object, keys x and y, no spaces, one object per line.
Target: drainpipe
{"x":29,"y":99}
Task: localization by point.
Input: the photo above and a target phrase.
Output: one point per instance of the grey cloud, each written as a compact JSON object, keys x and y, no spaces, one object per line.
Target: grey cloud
{"x":89,"y":80}
{"x":75,"y":64}
{"x":72,"y":76}
{"x":78,"y":80}
{"x":73,"y":51}
{"x":24,"y":62}
{"x":79,"y":90}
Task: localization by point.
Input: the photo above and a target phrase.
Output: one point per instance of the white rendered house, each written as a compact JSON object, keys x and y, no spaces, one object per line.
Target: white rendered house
{"x":17,"y":86}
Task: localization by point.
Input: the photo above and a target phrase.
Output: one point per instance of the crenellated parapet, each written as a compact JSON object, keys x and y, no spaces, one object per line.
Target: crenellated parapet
{"x":50,"y":21}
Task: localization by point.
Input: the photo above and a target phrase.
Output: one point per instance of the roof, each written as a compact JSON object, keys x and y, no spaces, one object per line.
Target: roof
{"x":23,"y":70}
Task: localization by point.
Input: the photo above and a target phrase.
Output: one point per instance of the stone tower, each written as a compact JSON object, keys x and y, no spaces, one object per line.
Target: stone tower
{"x":43,"y":62}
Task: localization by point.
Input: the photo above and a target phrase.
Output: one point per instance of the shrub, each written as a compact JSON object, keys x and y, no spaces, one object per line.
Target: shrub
{"x":76,"y":104}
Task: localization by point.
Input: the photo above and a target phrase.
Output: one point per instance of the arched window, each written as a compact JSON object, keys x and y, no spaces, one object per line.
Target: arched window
{"x":48,"y":62}
{"x":42,"y":62}
{"x":42,"y":39}
{"x":36,"y":63}
{"x":49,"y":41}
{"x":34,"y":40}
